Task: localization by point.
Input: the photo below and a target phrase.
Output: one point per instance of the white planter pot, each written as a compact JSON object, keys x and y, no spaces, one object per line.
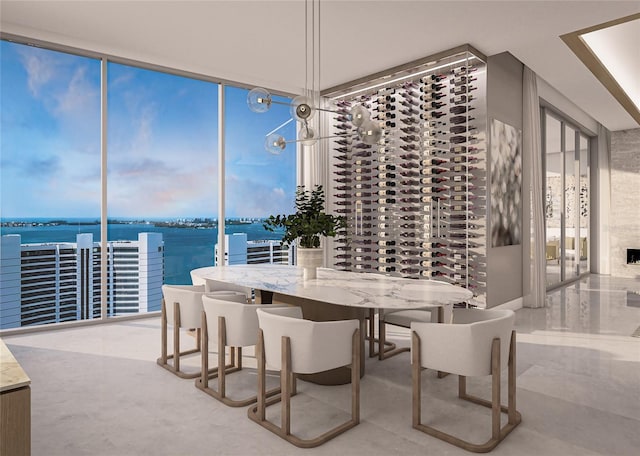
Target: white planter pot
{"x":310,"y":260}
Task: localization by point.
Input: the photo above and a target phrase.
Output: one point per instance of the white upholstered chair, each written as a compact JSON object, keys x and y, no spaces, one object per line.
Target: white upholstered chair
{"x":211,"y":285}
{"x":182,"y":309}
{"x":477,"y":343}
{"x":234,"y":325}
{"x":404,"y":318}
{"x":291,"y":345}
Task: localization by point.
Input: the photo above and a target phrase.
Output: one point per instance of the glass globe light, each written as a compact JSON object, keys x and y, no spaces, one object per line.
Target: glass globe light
{"x":302,"y":108}
{"x":275,"y":143}
{"x":307,"y":135}
{"x":370,"y":132}
{"x":259,"y":100}
{"x":359,"y":115}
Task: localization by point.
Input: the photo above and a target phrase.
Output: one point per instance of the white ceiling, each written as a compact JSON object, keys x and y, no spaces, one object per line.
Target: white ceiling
{"x":262,"y":42}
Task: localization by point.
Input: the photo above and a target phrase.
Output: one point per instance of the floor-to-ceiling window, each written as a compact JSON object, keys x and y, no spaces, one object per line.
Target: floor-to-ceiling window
{"x":566,"y":199}
{"x":257,"y":183}
{"x":161,"y":190}
{"x":50,"y":185}
{"x":162,"y":182}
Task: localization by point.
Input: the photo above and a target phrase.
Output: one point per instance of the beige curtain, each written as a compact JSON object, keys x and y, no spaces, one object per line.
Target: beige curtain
{"x":532,"y":147}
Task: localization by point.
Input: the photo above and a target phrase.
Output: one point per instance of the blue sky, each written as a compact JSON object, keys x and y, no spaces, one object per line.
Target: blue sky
{"x":162,"y":143}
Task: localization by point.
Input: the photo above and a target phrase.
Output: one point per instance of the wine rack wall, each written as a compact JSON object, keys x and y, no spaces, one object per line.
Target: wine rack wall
{"x":415,"y":202}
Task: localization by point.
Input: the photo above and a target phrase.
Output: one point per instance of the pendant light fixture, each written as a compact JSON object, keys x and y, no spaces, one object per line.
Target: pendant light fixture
{"x":304,"y":107}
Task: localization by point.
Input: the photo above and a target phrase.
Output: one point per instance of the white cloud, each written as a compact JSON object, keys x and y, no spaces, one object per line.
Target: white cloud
{"x":79,"y":96}
{"x":40,"y":68}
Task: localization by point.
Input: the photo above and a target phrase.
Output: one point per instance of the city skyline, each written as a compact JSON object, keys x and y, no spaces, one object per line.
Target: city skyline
{"x":162,"y":143}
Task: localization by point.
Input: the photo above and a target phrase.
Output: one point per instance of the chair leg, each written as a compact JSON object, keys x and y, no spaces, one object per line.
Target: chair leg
{"x":238,"y":360}
{"x":262,"y":374}
{"x":204,"y":377}
{"x":285,"y":380}
{"x":176,"y":336}
{"x":257,"y":413}
{"x":416,"y":377}
{"x":223,"y":369}
{"x":222,"y":344}
{"x":163,"y":331}
{"x":386,"y":349}
{"x":372,"y":330}
{"x":495,"y":389}
{"x":511,"y":379}
{"x":440,"y":314}
{"x":294,"y":384}
{"x":164,"y":357}
{"x":497,"y":433}
{"x":355,"y":377}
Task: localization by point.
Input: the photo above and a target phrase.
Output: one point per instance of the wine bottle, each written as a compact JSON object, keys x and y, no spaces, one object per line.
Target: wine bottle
{"x":461,"y":99}
{"x":431,"y":115}
{"x":463,"y":70}
{"x":431,"y":96}
{"x":433,"y":190}
{"x":463,"y":79}
{"x":432,"y":87}
{"x":410,"y":129}
{"x":409,"y":95}
{"x":409,"y":112}
{"x":409,"y":103}
{"x":432,"y":105}
{"x":410,"y":138}
{"x":408,"y":120}
{"x":460,"y":119}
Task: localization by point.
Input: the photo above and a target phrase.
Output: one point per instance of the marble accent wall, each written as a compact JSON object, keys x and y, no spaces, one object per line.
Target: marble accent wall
{"x":625,"y":201}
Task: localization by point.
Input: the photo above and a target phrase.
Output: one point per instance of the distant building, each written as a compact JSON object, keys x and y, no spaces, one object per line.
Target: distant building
{"x":57,"y":282}
{"x":240,"y":251}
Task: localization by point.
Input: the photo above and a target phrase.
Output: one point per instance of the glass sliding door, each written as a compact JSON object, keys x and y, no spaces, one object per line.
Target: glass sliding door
{"x":162,"y":183}
{"x":554,"y":198}
{"x":570,"y":205}
{"x":583,"y":215}
{"x":566,"y":200}
{"x":49,"y":186}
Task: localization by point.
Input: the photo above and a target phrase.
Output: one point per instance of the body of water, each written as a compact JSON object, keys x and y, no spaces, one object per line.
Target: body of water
{"x":185,"y":248}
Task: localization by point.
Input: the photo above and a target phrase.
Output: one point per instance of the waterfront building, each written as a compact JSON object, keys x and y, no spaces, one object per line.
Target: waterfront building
{"x":60,"y":281}
{"x":238,"y":250}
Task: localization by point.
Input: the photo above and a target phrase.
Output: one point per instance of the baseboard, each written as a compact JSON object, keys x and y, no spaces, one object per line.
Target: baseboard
{"x":515,"y":304}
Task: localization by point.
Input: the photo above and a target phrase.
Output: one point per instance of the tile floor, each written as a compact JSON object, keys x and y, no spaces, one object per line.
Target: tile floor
{"x":98,"y":391}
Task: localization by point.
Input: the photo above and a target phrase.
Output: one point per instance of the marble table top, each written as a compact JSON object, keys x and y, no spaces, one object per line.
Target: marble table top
{"x":11,"y":374}
{"x":353,"y":289}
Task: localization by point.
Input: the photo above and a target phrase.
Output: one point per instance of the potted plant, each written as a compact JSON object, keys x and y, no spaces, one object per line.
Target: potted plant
{"x":307,"y":225}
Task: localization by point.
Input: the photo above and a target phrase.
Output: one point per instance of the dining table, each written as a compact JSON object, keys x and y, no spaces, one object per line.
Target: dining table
{"x":337,"y":295}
